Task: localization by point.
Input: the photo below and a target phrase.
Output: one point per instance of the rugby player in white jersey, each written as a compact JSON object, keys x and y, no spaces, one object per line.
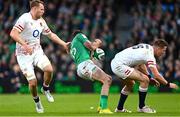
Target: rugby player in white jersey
{"x":130,"y":65}
{"x":26,"y":32}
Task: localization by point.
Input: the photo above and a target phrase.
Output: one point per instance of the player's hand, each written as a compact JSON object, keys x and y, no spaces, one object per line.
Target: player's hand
{"x":154,"y":82}
{"x":27,"y":49}
{"x":173,"y":86}
{"x":67,"y":47}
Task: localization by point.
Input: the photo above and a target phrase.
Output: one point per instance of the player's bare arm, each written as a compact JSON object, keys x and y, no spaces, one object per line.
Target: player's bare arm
{"x":161,"y":79}
{"x":59,"y":41}
{"x":93,"y":45}
{"x":142,"y":68}
{"x":15,"y":35}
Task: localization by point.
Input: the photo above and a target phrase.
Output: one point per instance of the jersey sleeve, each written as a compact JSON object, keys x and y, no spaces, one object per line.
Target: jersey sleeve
{"x":20,"y":23}
{"x":151,"y":61}
{"x":46,"y":29}
{"x":82,"y":38}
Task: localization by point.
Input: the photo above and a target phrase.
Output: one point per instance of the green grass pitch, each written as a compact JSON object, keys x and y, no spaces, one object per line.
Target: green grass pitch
{"x":167,"y":104}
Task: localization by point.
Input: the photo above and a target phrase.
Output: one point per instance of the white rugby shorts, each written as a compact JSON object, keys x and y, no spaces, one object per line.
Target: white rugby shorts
{"x":120,"y":69}
{"x":27,"y":63}
{"x":86,"y":69}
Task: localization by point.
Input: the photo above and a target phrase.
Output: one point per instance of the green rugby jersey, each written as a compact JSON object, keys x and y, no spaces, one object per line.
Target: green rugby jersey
{"x":78,"y":51}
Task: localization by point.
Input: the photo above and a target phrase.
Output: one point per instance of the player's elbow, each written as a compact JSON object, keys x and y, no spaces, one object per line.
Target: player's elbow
{"x":92,"y":48}
{"x":11,"y":34}
{"x":89,"y":46}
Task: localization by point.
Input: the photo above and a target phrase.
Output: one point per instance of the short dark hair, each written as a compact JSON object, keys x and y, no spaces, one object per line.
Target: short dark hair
{"x":160,"y":43}
{"x":76,"y":32}
{"x":34,"y":3}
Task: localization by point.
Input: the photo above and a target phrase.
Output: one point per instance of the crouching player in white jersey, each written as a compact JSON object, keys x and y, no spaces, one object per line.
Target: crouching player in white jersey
{"x":26,"y":32}
{"x":124,"y":63}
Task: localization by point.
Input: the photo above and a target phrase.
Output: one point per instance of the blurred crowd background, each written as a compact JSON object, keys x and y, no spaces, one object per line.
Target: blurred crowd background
{"x":119,"y":23}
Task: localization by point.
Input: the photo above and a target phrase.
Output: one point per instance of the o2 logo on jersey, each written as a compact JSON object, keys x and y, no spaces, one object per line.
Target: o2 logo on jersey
{"x":35,"y":33}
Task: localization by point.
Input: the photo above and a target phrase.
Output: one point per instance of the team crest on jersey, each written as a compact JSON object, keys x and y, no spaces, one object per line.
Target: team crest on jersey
{"x":31,"y":23}
{"x":40,"y":23}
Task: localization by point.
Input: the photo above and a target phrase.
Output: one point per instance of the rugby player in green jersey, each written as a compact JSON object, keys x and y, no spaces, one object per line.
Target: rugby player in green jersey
{"x":80,"y":51}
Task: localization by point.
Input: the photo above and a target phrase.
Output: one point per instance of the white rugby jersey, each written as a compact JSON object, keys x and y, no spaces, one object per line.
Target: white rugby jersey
{"x":30,"y":31}
{"x":137,"y":55}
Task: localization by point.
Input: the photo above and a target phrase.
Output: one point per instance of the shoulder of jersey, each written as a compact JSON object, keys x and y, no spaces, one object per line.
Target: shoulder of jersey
{"x":82,"y":35}
{"x":42,"y":19}
{"x":78,"y":35}
{"x":25,"y":16}
{"x":151,"y":48}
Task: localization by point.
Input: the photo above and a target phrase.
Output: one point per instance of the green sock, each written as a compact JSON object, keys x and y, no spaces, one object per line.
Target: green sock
{"x":103,"y":101}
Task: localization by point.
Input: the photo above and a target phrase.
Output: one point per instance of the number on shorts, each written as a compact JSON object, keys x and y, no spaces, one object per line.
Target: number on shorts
{"x":127,"y":72}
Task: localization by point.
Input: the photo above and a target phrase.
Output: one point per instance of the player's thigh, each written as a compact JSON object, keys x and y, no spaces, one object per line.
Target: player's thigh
{"x":42,"y":61}
{"x":138,"y":76}
{"x":129,"y":83}
{"x":100,"y":75}
{"x":26,"y":66}
{"x":88,"y":70}
{"x":85,"y":69}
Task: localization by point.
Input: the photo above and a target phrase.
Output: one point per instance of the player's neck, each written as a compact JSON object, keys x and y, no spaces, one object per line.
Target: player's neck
{"x":33,"y":15}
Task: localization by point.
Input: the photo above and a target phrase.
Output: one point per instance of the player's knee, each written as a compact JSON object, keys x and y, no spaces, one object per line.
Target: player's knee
{"x":51,"y":70}
{"x":29,"y":76}
{"x":48,"y":69}
{"x":130,"y":84}
{"x":145,"y":79}
{"x":108,"y":80}
{"x":32,"y":83}
{"x":133,"y":83}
